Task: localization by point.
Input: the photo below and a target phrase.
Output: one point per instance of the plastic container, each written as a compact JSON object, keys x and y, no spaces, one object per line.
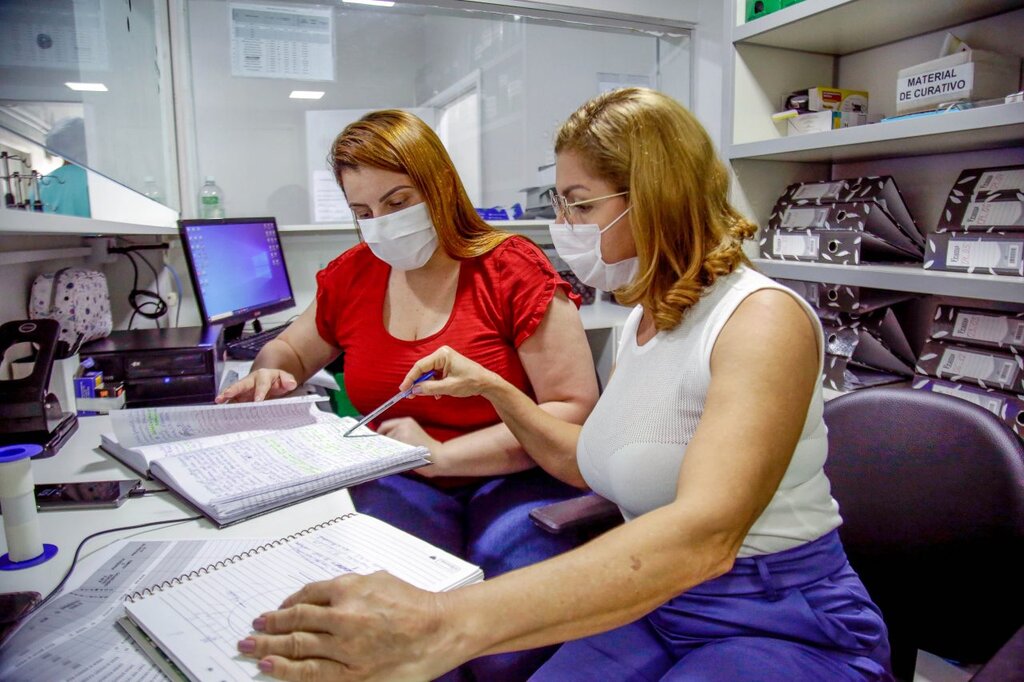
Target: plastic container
{"x":211,"y":200}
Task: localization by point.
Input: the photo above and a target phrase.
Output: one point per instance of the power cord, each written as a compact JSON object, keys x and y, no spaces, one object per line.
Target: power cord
{"x":78,"y":550}
{"x":152,"y":306}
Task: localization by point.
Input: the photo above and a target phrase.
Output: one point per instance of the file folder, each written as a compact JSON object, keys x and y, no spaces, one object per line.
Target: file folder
{"x":880,"y":189}
{"x":861,"y":215}
{"x":1008,"y":407}
{"x":840,"y":247}
{"x":865,"y":351}
{"x":985,"y":200}
{"x":990,"y":328}
{"x":845,"y":298}
{"x":996,"y":253}
{"x":982,"y":367}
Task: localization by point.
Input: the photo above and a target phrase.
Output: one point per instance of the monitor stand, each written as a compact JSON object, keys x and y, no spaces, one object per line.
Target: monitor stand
{"x":236,"y":331}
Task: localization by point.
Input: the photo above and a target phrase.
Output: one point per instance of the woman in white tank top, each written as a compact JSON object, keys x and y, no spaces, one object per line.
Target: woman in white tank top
{"x":709,"y":437}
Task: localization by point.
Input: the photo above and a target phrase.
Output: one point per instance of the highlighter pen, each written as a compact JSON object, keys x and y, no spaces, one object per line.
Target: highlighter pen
{"x":389,"y":402}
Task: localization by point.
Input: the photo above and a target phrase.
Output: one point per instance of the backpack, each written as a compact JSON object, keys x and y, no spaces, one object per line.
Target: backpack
{"x":78,"y":299}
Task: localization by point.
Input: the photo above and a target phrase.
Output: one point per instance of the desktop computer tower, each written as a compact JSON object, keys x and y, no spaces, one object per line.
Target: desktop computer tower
{"x":177,"y":366}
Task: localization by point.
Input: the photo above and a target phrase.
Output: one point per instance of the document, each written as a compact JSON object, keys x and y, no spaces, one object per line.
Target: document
{"x":233,"y":462}
{"x":197,"y":619}
{"x":75,"y":637}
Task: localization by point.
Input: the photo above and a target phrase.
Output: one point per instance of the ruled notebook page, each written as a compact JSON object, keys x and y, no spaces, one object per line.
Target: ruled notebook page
{"x":199,"y":622}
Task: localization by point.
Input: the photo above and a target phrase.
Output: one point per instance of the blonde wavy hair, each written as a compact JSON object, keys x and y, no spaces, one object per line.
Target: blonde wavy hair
{"x":398,"y":141}
{"x":687,"y":234}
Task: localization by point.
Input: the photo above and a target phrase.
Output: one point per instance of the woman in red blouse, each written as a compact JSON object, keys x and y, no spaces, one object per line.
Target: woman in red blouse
{"x":432,"y":273}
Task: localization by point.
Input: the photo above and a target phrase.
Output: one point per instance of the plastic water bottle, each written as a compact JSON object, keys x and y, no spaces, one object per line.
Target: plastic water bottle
{"x":150,"y":189}
{"x":211,"y":200}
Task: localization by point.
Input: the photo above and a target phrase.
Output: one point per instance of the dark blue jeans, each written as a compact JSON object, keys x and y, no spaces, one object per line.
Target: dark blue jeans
{"x":487,"y":524}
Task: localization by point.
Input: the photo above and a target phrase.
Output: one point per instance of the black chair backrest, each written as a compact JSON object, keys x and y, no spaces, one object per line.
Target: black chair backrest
{"x":931,"y":491}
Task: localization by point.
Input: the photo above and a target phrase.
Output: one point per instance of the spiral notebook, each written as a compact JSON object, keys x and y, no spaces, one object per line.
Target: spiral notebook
{"x":190,"y":625}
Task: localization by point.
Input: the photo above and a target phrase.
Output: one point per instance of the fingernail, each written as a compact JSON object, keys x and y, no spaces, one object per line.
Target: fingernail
{"x":259,"y":624}
{"x":247,"y":645}
{"x":265,"y":666}
{"x":417,"y":390}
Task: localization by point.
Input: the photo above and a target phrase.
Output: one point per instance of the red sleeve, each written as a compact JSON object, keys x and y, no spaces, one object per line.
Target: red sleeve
{"x":528,"y":283}
{"x":331,"y":283}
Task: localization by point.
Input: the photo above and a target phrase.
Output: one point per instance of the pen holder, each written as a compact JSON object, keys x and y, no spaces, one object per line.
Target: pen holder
{"x":18,"y":500}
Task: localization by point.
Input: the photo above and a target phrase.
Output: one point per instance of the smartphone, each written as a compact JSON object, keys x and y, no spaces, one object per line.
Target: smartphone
{"x":13,"y":606}
{"x":85,"y":494}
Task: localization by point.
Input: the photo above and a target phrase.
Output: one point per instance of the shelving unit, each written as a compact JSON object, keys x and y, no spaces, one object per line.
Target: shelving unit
{"x":843,"y":43}
{"x":29,"y":223}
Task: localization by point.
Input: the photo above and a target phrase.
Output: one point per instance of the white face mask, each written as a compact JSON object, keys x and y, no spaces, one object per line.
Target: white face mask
{"x":405,"y":239}
{"x":580,"y":247}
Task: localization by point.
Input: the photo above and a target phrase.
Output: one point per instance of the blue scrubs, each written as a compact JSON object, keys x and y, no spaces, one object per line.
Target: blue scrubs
{"x":798,"y":615}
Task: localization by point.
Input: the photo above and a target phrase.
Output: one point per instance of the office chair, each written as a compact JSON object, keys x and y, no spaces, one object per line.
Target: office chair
{"x":931,"y":491}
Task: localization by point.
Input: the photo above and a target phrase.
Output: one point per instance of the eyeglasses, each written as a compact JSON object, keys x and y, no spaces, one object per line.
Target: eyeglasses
{"x":564,"y":209}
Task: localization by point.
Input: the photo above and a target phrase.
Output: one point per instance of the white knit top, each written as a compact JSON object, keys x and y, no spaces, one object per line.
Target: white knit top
{"x":632,"y":445}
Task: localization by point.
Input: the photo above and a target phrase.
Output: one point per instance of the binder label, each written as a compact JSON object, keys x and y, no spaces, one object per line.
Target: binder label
{"x":994,"y":213}
{"x":991,"y":328}
{"x":981,"y":367}
{"x":819,"y":190}
{"x":990,"y":403}
{"x":796,"y":245}
{"x":978,"y":254}
{"x":816,"y":216}
{"x":995,"y":181}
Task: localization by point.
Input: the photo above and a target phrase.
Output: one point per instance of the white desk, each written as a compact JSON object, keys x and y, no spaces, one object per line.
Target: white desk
{"x":82,"y":460}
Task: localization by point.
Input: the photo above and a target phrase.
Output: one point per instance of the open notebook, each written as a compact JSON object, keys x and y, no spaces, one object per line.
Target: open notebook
{"x":233,"y":462}
{"x":191,"y":625}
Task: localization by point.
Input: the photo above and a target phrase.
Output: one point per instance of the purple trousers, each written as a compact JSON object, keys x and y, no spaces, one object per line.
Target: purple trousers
{"x":802,"y":614}
{"x":487,"y":523}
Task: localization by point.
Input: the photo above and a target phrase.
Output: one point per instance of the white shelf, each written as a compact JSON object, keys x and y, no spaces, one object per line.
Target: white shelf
{"x":603,"y":314}
{"x":511,"y":225}
{"x":840,"y":27}
{"x":910,"y":277}
{"x":991,"y":127}
{"x":15,"y":222}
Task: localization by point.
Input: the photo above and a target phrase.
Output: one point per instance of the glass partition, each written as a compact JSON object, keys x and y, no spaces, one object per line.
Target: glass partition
{"x":89,"y":81}
{"x":274,"y":83}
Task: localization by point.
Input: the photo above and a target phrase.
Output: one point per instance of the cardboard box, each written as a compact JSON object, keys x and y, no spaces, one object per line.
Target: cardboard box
{"x":968,"y":75}
{"x":985,"y":200}
{"x":820,"y":121}
{"x":1007,"y":406}
{"x":837,"y":99}
{"x":995,"y":253}
{"x":880,"y":188}
{"x":844,"y":298}
{"x":841,"y":247}
{"x":970,"y":364}
{"x":988,"y":328}
{"x":863,"y":215}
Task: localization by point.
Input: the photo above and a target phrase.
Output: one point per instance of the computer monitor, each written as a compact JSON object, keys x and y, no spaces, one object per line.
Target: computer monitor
{"x":237,"y":269}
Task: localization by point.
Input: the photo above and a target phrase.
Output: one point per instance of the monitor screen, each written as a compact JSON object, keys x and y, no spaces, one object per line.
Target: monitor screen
{"x":237,"y":268}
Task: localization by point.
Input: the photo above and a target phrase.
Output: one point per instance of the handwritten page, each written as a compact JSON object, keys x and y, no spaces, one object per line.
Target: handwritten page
{"x":282,"y":465}
{"x":146,"y":426}
{"x":199,"y":622}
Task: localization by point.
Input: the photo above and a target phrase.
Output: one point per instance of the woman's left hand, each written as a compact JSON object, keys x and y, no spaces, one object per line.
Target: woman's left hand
{"x":407,"y":430}
{"x":354,"y":627}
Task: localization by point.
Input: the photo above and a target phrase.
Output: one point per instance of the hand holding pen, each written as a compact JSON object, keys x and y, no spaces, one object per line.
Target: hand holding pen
{"x":391,"y":401}
{"x":455,"y":375}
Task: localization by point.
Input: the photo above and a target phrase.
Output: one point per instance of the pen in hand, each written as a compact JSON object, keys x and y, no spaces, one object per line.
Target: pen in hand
{"x":391,"y":401}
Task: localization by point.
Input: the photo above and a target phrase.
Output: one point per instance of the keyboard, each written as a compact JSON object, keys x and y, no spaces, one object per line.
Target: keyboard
{"x":248,"y":347}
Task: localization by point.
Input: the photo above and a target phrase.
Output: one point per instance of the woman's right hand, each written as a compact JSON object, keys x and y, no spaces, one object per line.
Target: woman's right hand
{"x":257,"y":386}
{"x":454,"y":375}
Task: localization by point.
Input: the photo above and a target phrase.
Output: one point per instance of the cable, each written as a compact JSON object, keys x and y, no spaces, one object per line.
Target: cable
{"x":78,"y":550}
{"x":157,"y":304}
{"x":177,"y":280}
